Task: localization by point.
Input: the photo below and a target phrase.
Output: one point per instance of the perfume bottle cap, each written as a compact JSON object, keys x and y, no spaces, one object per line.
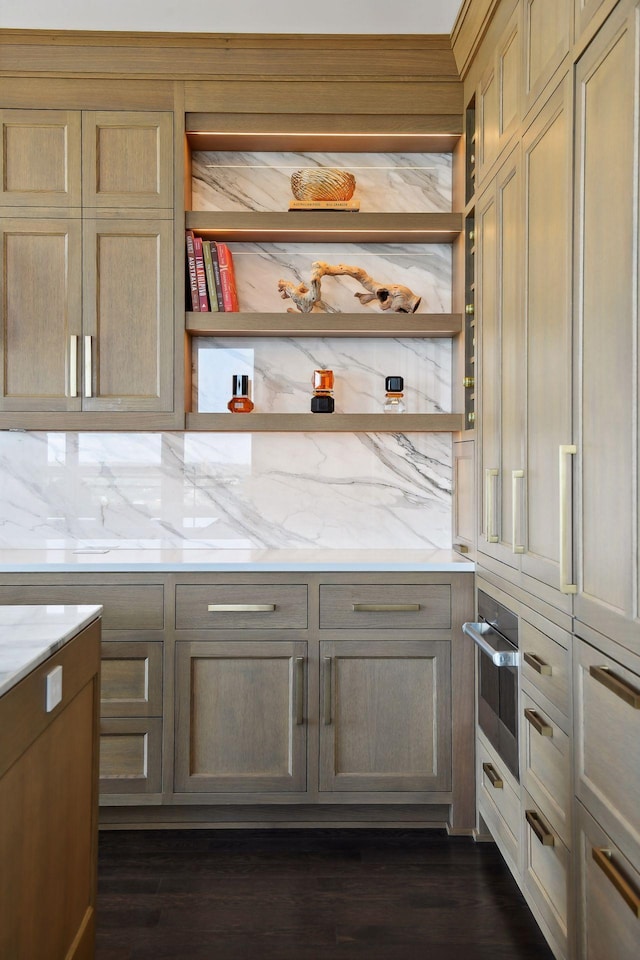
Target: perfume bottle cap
{"x":394,"y":384}
{"x":240,"y":386}
{"x":322,"y":403}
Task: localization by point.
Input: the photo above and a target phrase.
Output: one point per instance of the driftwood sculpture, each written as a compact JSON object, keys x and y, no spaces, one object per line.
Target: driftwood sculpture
{"x":393,"y":297}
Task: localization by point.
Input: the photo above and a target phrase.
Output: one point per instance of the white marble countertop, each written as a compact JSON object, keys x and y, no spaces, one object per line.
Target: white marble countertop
{"x":30,"y":634}
{"x":127,"y":559}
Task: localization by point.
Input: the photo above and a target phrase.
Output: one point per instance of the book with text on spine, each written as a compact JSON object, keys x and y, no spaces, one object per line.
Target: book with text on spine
{"x":201,"y":277}
{"x":191,"y":270}
{"x":227,"y":278}
{"x":211,"y":280}
{"x":216,"y":275}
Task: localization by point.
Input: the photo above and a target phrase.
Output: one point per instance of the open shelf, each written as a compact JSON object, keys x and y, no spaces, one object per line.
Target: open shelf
{"x":326,"y":422}
{"x":215,"y":324}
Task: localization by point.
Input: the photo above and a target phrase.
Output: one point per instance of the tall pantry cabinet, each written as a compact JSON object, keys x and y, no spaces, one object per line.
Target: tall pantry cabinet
{"x":86,"y":206}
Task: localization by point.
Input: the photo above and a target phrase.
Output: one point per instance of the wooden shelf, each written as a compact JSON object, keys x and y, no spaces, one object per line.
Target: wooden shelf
{"x":326,"y":422}
{"x":326,"y":225}
{"x":323,"y":324}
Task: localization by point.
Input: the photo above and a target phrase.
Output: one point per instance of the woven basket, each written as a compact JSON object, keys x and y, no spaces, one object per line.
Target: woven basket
{"x":322,"y":183}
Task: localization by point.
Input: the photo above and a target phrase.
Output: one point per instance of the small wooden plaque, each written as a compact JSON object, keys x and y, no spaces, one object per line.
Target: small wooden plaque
{"x":351,"y":205}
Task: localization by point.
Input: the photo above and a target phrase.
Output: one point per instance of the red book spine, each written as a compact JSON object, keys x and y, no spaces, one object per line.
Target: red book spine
{"x":227,"y":278}
{"x":191,"y":266}
{"x":201,"y":276}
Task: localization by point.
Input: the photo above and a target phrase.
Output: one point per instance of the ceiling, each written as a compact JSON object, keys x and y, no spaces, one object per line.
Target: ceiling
{"x":236,"y":16}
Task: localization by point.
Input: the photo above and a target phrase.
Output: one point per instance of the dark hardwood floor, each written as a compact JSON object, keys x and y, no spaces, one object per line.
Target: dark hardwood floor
{"x":308,"y":895}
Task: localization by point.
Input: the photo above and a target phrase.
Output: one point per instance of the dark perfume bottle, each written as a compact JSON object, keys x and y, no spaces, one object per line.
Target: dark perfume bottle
{"x":322,"y":399}
{"x":240,"y":401}
{"x":394,"y":396}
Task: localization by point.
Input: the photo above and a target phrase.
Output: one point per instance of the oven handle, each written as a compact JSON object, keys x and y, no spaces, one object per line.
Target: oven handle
{"x":478,"y":633}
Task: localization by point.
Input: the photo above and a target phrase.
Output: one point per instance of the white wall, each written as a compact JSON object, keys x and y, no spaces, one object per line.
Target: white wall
{"x":234,"y":16}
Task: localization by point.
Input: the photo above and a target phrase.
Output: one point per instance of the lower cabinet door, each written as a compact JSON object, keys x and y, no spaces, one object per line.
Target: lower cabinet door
{"x":240,"y":717}
{"x":608,"y":896}
{"x":546,"y":873}
{"x":385,"y":720}
{"x":130,"y":757}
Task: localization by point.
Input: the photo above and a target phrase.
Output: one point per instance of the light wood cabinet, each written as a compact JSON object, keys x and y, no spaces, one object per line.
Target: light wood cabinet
{"x":385,"y":721}
{"x":41,"y":161}
{"x":547,"y":37}
{"x":499,"y":803}
{"x":498,"y":99}
{"x":546,"y":876}
{"x":49,"y":803}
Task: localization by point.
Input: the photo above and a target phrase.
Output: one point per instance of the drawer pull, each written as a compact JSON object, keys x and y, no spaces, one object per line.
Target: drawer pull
{"x":620,"y":687}
{"x":602,"y":857}
{"x":536,"y":721}
{"x":299,"y":690}
{"x":494,"y":777}
{"x":539,"y":827}
{"x":327,"y":692}
{"x":537,"y":664}
{"x":241,"y":607}
{"x":385,"y":607}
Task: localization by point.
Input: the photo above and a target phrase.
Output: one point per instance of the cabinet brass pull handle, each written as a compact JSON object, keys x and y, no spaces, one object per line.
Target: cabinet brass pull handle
{"x":299,"y":690}
{"x":536,"y":721}
{"x":327,"y":692}
{"x":241,"y":607}
{"x":616,"y":685}
{"x":489,"y":504}
{"x":539,"y":827}
{"x":88,"y":369}
{"x":73,"y":365}
{"x":537,"y":664}
{"x":380,"y":607}
{"x":516,"y":510}
{"x":494,"y":777}
{"x":565,"y":533}
{"x":602,"y":857}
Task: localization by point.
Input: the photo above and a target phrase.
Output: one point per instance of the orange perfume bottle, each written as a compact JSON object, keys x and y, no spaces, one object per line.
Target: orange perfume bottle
{"x":240,"y":401}
{"x":322,"y":399}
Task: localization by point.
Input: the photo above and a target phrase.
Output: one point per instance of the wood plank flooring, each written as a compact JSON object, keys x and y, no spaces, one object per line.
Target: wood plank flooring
{"x":308,"y":895}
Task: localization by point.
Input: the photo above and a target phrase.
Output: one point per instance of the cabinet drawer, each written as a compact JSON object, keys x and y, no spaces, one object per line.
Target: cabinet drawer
{"x":608,"y":895}
{"x":130,"y":756}
{"x":546,"y":765}
{"x":241,"y":606}
{"x":381,"y":606}
{"x":498,"y":803}
{"x":607,"y":753}
{"x":546,"y":664}
{"x":125,"y":606}
{"x":546,"y":870}
{"x":131,"y":679}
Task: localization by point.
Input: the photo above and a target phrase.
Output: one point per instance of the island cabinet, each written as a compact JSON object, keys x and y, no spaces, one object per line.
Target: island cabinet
{"x":49,"y":806}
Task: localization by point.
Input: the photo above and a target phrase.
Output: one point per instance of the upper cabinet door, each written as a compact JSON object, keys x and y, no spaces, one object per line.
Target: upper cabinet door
{"x":547,"y":31}
{"x":498,"y":97}
{"x":40,"y":159}
{"x":589,"y":15}
{"x":127,"y":160}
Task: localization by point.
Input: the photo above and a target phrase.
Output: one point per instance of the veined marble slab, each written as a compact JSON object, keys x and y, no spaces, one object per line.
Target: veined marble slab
{"x":30,"y":634}
{"x":385,"y":182}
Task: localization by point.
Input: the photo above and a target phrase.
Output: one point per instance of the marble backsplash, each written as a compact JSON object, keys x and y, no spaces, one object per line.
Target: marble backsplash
{"x":233,"y":491}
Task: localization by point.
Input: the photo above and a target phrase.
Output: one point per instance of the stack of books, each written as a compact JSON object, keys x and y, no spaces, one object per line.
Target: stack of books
{"x":211,"y":276}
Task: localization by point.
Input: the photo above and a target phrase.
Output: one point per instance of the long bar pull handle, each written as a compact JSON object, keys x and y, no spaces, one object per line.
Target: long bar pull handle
{"x":539,"y":827}
{"x":241,"y":607}
{"x":494,"y":777}
{"x":73,"y":365}
{"x":516,"y":510}
{"x":489,"y":504}
{"x":536,"y":721}
{"x":299,"y":690}
{"x":565,"y":451}
{"x":379,"y":607}
{"x":326,"y":698}
{"x":537,"y":664}
{"x":88,"y":367}
{"x":602,"y":857}
{"x":616,"y":685}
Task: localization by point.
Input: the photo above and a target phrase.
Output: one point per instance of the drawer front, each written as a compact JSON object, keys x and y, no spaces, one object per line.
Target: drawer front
{"x":545,"y":763}
{"x":125,"y":606}
{"x":607,"y":754}
{"x":546,"y":664}
{"x":130,"y":756}
{"x":131,"y":679}
{"x":608,"y":896}
{"x":260,"y":606}
{"x":379,"y":606}
{"x":546,"y":870}
{"x":498,"y":803}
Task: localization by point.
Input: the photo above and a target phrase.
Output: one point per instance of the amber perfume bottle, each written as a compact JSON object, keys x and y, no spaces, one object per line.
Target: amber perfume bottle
{"x":322,"y":399}
{"x":394,"y":396}
{"x":240,"y":401}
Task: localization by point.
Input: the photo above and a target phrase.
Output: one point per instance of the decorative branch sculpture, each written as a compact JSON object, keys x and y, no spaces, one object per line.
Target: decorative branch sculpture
{"x":392,"y":297}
